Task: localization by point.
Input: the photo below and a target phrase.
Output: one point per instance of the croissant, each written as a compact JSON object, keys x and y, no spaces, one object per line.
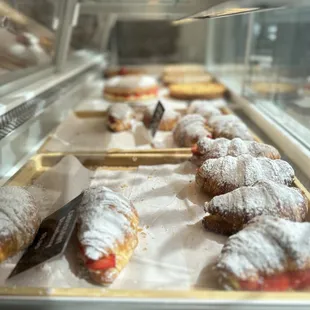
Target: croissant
{"x":228,"y":213}
{"x":107,"y":233}
{"x":19,"y":220}
{"x":207,"y":148}
{"x":222,"y":175}
{"x":206,"y":110}
{"x":230,"y":127}
{"x":120,"y":117}
{"x":269,"y":254}
{"x":189,"y":130}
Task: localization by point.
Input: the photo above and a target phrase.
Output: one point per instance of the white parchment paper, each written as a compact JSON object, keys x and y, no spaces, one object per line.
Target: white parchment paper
{"x":174,"y":251}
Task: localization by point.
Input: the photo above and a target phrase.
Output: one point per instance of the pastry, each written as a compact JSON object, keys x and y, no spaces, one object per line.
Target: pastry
{"x":269,"y":254}
{"x":216,"y":103}
{"x":120,"y":117}
{"x":228,"y":213}
{"x":183,"y":69}
{"x":130,"y":88}
{"x":176,"y":78}
{"x":270,"y":88}
{"x":107,"y":233}
{"x":111,"y":72}
{"x":19,"y":220}
{"x":168,"y":121}
{"x":189,"y":130}
{"x":207,"y":148}
{"x":192,"y":91}
{"x":230,"y":127}
{"x":222,"y":175}
{"x":205,"y":110}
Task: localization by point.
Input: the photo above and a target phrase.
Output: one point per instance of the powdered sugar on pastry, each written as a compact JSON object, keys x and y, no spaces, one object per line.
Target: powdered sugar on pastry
{"x":169,"y":113}
{"x":18,"y":215}
{"x":222,"y":175}
{"x":129,"y":82}
{"x":209,"y":148}
{"x":206,"y":111}
{"x":103,"y":221}
{"x":120,"y":111}
{"x":198,"y":104}
{"x":268,"y":245}
{"x":220,"y":120}
{"x":263,"y":198}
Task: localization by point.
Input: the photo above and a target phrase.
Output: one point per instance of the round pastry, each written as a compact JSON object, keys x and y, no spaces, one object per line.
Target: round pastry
{"x":228,"y":213}
{"x":168,"y":121}
{"x":120,"y":117}
{"x":130,"y":88}
{"x":269,"y":254}
{"x":216,"y":103}
{"x":222,"y":175}
{"x":111,"y":72}
{"x":19,"y":220}
{"x":208,"y":148}
{"x":189,"y":130}
{"x":183,"y":69}
{"x":176,"y":78}
{"x":193,"y":91}
{"x":205,"y":110}
{"x":270,"y":88}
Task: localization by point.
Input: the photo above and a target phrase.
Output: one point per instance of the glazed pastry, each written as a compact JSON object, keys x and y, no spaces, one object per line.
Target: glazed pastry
{"x":120,"y":117}
{"x":107,"y":233}
{"x":228,"y":213}
{"x":230,"y":127}
{"x":19,"y":220}
{"x":222,"y":175}
{"x":189,"y":130}
{"x":207,"y":148}
{"x":130,"y":88}
{"x":192,"y":91}
{"x":168,"y":121}
{"x":269,"y":254}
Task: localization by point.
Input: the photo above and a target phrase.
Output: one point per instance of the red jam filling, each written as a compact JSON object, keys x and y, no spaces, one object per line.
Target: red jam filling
{"x":112,"y":120}
{"x":100,"y":264}
{"x":292,"y":280}
{"x":122,"y":71}
{"x":195,"y":150}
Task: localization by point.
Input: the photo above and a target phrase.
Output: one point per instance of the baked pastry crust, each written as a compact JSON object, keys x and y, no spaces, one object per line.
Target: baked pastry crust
{"x":193,"y":91}
{"x":269,"y":254}
{"x":192,"y":77}
{"x":107,"y":226}
{"x":228,"y":213}
{"x":19,"y":220}
{"x":168,"y":121}
{"x":189,"y":130}
{"x":222,"y":175}
{"x":120,"y":117}
{"x":208,"y":148}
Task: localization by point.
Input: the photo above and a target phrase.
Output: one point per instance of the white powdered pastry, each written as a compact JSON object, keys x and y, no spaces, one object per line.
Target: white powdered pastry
{"x":168,"y":115}
{"x":103,"y":221}
{"x":229,"y":173}
{"x":190,"y":127}
{"x":120,"y":111}
{"x":196,"y":104}
{"x":209,"y":148}
{"x":204,"y":110}
{"x":131,"y":81}
{"x":231,"y":130}
{"x":265,"y":247}
{"x":220,"y":120}
{"x":17,"y":207}
{"x":263,"y":198}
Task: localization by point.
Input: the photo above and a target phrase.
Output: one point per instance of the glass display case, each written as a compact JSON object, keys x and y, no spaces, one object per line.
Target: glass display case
{"x":154,"y":154}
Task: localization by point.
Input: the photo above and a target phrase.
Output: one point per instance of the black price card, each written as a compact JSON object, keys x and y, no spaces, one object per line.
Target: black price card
{"x":52,"y":237}
{"x":156,"y":118}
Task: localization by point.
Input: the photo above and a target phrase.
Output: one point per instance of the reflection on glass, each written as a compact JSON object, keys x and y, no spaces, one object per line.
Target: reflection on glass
{"x":26,"y":35}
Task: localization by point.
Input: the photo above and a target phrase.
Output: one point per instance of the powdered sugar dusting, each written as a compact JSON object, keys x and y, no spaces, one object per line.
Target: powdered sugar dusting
{"x":103,"y":221}
{"x":266,"y":246}
{"x":169,"y":113}
{"x":189,"y":130}
{"x":263,"y":198}
{"x":229,"y":173}
{"x":131,"y":81}
{"x":17,"y":208}
{"x":120,"y":111}
{"x":209,"y":148}
{"x":203,"y":109}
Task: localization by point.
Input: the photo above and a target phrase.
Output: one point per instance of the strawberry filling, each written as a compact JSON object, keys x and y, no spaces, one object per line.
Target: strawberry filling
{"x":195,"y":150}
{"x":99,"y":264}
{"x":292,"y":280}
{"x":122,"y":71}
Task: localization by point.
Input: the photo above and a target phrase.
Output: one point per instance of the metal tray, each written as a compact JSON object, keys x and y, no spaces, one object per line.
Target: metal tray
{"x":132,"y":299}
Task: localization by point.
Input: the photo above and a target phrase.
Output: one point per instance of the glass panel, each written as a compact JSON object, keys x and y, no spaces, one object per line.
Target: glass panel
{"x":27,"y":38}
{"x":278,"y":76}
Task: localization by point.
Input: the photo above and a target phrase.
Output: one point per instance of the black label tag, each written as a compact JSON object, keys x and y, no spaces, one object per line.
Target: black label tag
{"x":52,"y":237}
{"x":156,"y":118}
